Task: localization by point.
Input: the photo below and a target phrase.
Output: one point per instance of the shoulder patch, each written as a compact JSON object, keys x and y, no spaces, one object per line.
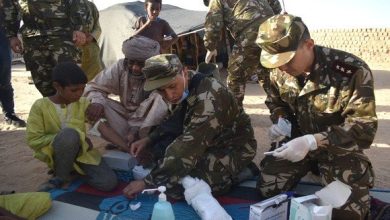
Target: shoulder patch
{"x":344,"y":69}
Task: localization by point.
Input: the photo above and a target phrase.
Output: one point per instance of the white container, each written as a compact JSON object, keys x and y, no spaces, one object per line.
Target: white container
{"x":275,"y":208}
{"x":139,"y":172}
{"x":119,"y":160}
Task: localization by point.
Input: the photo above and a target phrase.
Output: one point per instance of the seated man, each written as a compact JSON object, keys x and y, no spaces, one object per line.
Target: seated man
{"x":330,"y":95}
{"x":137,"y":111}
{"x":217,"y":140}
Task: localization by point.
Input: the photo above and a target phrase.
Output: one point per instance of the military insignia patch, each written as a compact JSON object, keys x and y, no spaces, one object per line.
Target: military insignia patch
{"x":344,"y":68}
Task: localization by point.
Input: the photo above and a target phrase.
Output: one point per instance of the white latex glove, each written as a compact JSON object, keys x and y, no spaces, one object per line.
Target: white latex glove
{"x":296,"y":149}
{"x":280,"y":130}
{"x":209,"y":55}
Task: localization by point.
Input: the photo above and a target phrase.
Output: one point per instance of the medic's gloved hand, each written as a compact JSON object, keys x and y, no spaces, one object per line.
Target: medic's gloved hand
{"x":209,"y":55}
{"x":296,"y":149}
{"x":280,"y":130}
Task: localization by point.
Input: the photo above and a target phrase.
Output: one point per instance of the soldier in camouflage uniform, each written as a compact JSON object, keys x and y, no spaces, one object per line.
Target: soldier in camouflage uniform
{"x":217,"y":142}
{"x":330,"y":94}
{"x":242,"y":18}
{"x":50,"y":31}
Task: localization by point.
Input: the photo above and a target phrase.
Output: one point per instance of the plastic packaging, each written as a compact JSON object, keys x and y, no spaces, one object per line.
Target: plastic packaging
{"x":198,"y":194}
{"x":162,"y":209}
{"x":139,"y":172}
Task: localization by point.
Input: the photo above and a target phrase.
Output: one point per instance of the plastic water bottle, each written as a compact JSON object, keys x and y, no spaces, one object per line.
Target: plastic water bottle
{"x":162,"y":210}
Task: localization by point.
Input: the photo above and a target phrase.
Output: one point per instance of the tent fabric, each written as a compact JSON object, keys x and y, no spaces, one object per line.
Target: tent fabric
{"x":117,"y":22}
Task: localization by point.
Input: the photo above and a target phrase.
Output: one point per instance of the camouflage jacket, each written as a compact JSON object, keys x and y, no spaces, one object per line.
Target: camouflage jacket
{"x":44,"y":18}
{"x":235,"y":15}
{"x":213,"y":124}
{"x":337,"y":101}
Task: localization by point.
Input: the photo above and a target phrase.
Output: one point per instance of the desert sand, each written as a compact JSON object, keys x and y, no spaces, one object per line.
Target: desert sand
{"x":21,"y":172}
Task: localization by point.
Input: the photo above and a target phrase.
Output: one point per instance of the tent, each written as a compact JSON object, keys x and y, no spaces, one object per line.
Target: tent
{"x":117,"y":22}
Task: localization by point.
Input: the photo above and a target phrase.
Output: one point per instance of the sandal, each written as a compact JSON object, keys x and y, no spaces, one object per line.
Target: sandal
{"x":7,"y":192}
{"x":110,"y":146}
{"x":53,"y":183}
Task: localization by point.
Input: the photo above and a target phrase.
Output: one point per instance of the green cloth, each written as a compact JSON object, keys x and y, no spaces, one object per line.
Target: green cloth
{"x":90,"y":58}
{"x":29,"y":205}
{"x":44,"y":123}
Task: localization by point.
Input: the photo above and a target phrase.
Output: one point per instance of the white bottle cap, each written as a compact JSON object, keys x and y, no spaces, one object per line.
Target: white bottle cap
{"x":161,"y":189}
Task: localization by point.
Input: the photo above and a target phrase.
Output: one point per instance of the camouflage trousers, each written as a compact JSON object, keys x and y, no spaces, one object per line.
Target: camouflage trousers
{"x":278,"y":175}
{"x":42,"y":54}
{"x":219,"y":172}
{"x":244,"y":62}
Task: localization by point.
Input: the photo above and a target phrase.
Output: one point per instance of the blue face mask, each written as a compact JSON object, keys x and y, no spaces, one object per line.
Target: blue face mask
{"x":186,"y":92}
{"x":185,"y":95}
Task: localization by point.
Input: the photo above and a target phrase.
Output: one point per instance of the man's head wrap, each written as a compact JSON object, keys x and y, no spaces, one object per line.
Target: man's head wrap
{"x":140,"y":48}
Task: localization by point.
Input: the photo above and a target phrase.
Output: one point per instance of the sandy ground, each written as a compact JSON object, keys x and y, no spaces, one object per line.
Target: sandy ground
{"x":19,"y":171}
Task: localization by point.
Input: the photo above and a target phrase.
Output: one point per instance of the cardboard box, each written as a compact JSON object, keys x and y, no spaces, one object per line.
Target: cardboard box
{"x":275,"y":208}
{"x":310,"y":207}
{"x":319,"y":206}
{"x":118,"y":160}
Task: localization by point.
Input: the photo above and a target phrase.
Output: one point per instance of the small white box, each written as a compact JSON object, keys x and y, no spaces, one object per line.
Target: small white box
{"x":275,"y":208}
{"x":319,"y":206}
{"x":310,"y":207}
{"x":118,"y":160}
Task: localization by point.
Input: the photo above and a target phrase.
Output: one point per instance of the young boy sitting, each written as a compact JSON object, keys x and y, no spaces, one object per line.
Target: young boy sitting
{"x":56,"y":132}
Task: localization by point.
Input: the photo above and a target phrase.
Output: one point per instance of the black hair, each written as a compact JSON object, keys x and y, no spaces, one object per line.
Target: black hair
{"x":68,"y":73}
{"x":206,"y":2}
{"x":153,"y":1}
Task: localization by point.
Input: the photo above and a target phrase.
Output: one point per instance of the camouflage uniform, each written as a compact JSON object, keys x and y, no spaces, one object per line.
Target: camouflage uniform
{"x":337,"y":101}
{"x":217,"y":140}
{"x":242,"y":18}
{"x":47,"y":34}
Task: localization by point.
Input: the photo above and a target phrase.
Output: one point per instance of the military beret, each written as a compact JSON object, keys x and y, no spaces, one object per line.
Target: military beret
{"x":160,"y":70}
{"x":279,"y":38}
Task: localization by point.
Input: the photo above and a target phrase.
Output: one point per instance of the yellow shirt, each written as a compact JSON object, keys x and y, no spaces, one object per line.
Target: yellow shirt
{"x":46,"y":120}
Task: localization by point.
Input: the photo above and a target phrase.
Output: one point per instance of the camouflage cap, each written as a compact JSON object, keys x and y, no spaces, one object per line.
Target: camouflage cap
{"x":279,"y":37}
{"x":160,"y":70}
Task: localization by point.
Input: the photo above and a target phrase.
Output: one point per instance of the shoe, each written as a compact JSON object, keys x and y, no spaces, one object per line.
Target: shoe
{"x":7,"y":192}
{"x":12,"y":119}
{"x":53,"y":183}
{"x":111,"y":146}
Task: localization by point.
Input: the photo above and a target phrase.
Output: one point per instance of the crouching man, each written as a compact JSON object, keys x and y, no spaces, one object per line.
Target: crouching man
{"x":217,"y":140}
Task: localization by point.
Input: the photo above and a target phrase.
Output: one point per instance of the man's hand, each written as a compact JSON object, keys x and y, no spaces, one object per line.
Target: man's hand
{"x":89,"y":38}
{"x":296,"y":149}
{"x":16,"y":44}
{"x":141,"y":152}
{"x":138,"y":146}
{"x":280,"y":130}
{"x":210,"y":55}
{"x":95,"y":111}
{"x":134,"y":187}
{"x":79,"y":38}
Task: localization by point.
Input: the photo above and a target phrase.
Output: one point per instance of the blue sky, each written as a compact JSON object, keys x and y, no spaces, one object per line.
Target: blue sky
{"x":315,"y":13}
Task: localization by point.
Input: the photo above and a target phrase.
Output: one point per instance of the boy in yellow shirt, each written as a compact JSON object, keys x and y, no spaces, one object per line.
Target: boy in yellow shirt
{"x":56,"y":132}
